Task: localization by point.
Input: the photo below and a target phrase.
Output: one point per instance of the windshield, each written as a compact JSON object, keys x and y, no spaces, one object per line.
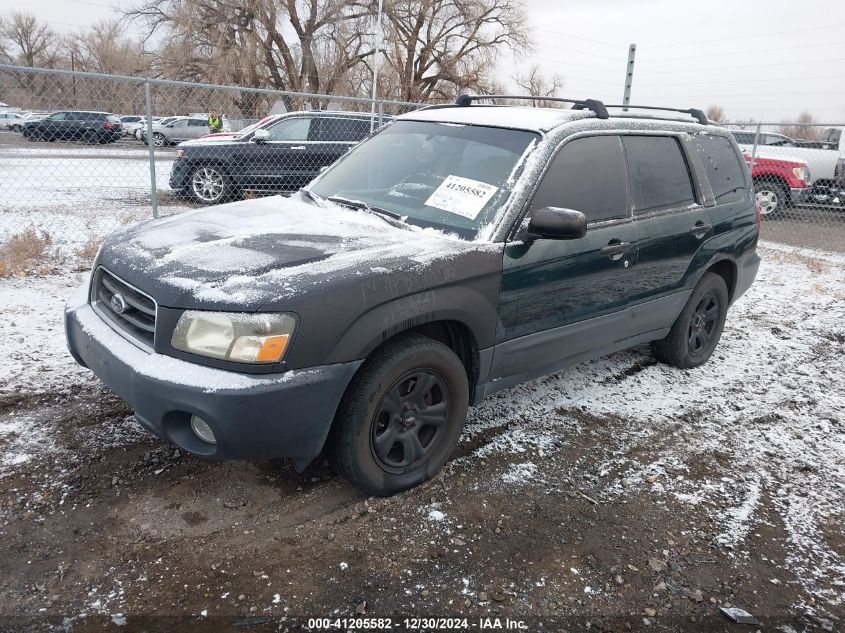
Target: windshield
{"x":450,"y":177}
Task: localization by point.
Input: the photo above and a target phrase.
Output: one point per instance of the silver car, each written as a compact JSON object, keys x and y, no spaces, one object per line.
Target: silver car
{"x":11,"y":121}
{"x":178,"y":130}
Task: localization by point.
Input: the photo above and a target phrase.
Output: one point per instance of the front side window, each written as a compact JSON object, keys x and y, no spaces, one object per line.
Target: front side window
{"x":178,"y":124}
{"x":446,"y":176}
{"x":295,"y":129}
{"x":587,"y":175}
{"x":58,"y":116}
{"x":726,"y":174}
{"x":658,"y":173}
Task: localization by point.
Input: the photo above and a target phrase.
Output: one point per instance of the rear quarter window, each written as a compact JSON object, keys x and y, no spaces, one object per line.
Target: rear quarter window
{"x":722,"y":165}
{"x":658,"y":173}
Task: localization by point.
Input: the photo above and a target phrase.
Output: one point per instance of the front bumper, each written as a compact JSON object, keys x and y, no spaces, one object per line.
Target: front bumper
{"x":799,"y":195}
{"x":179,"y":175}
{"x":252,"y":416}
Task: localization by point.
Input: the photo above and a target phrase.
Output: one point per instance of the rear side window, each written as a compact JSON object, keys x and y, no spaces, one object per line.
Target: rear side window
{"x":658,"y":173}
{"x":725,"y":172}
{"x":587,"y":175}
{"x":340,"y":130}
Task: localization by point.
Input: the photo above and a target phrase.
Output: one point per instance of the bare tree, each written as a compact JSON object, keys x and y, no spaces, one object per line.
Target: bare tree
{"x":802,"y":128}
{"x":25,"y":41}
{"x":534,"y":83}
{"x":440,"y":48}
{"x":716,"y":113}
{"x":297,"y":45}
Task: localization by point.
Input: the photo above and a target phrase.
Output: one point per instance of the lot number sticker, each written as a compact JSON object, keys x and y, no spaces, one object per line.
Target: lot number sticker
{"x":461,"y":196}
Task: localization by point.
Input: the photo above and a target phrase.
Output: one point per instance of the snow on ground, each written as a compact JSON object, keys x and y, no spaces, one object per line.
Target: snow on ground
{"x":756,"y":437}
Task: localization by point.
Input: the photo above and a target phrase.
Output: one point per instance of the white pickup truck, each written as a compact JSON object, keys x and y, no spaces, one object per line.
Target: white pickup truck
{"x":826,"y":163}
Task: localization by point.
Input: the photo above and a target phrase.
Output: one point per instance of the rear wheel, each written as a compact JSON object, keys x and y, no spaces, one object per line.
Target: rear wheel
{"x":698,"y":328}
{"x":401,"y":417}
{"x":772,"y":197}
{"x":209,"y":184}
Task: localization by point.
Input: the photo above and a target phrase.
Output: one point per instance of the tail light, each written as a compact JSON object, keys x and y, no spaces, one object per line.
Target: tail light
{"x":109,"y":125}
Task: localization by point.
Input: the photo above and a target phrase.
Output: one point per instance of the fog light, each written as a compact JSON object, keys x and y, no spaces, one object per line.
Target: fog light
{"x":203,"y":431}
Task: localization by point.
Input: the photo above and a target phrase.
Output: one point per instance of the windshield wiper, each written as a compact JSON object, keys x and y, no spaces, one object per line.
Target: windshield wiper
{"x":312,"y":196}
{"x":363,"y":206}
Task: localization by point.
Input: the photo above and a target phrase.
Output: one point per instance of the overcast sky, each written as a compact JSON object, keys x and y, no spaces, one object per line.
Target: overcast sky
{"x":761,"y":59}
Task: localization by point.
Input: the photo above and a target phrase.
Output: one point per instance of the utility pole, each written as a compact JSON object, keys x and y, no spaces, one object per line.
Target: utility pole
{"x":376,"y":62}
{"x":73,"y":79}
{"x":629,"y":75}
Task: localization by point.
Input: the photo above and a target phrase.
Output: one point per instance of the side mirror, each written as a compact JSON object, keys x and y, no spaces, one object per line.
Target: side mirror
{"x":260,"y":136}
{"x":555,"y":223}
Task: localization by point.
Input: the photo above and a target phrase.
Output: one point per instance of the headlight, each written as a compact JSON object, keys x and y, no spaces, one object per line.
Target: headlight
{"x":180,"y":153}
{"x":802,"y":173}
{"x":242,"y":338}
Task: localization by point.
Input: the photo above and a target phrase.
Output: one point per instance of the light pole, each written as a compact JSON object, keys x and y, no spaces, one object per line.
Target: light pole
{"x":376,"y":62}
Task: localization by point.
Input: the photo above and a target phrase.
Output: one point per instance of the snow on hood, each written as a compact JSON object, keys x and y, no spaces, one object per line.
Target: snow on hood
{"x":256,"y":251}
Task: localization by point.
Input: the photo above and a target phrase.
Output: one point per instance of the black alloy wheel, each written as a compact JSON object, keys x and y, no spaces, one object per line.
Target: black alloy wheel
{"x":409,"y":420}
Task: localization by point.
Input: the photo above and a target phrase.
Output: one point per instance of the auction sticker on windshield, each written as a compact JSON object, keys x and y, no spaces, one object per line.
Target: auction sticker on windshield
{"x":461,"y":196}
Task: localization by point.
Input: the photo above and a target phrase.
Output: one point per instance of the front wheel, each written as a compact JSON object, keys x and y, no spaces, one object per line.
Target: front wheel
{"x":698,"y":328}
{"x":209,"y":184}
{"x":401,"y":416}
{"x":159,"y":139}
{"x":772,"y":198}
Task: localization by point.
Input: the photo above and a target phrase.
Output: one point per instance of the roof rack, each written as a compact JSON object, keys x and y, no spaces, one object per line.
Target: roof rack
{"x":593,"y":105}
{"x":695,"y":113}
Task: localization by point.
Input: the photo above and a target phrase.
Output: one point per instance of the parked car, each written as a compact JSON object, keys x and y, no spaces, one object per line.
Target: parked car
{"x":457,"y":252}
{"x":821,"y":162}
{"x":17,"y":126}
{"x":8,"y":119}
{"x":176,"y":130}
{"x":90,"y":127}
{"x":140,"y":131}
{"x":131,"y":123}
{"x":779,"y":183}
{"x":283,"y":154}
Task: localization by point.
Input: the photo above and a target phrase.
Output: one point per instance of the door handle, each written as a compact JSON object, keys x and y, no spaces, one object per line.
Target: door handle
{"x":700,"y":229}
{"x":614,"y":249}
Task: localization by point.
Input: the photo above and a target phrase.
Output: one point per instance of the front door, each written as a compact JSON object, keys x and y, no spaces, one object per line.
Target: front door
{"x":561,"y":298}
{"x":280,"y":161}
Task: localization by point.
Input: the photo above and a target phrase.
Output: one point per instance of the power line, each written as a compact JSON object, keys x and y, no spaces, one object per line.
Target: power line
{"x":686,"y":69}
{"x":752,"y":50}
{"x":745,"y":37}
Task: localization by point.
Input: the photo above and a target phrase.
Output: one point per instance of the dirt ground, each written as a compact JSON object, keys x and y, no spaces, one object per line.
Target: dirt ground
{"x":618,"y":495}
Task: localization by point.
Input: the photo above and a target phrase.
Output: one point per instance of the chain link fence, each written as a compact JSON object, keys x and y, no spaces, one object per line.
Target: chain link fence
{"x":799,"y":180}
{"x":83,"y":154}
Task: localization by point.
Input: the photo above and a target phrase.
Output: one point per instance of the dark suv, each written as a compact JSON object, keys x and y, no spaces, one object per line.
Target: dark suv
{"x":89,"y":127}
{"x":284,"y":155}
{"x":459,"y":251}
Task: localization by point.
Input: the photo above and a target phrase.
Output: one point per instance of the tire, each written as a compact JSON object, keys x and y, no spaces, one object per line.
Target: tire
{"x":697,"y":330}
{"x":89,"y":137}
{"x":159,"y":140}
{"x":380,"y":439}
{"x":15,"y":128}
{"x":772,"y":197}
{"x":209,"y":184}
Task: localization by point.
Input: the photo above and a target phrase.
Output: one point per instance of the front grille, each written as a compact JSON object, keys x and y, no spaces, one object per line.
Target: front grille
{"x":128,"y":310}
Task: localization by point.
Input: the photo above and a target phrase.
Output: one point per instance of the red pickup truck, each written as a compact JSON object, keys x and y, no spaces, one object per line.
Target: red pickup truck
{"x":779,"y":182}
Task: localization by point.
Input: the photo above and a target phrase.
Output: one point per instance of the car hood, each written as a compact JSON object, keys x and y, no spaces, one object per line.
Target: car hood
{"x":224,"y":138}
{"x":273,"y":251}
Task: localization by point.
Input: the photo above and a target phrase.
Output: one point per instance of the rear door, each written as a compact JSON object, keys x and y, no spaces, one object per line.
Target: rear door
{"x":669,"y":211}
{"x":561,"y":298}
{"x":330,"y":138}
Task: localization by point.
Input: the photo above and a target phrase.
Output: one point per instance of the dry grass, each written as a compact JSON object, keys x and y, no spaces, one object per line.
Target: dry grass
{"x":24,"y":253}
{"x":86,"y":253}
